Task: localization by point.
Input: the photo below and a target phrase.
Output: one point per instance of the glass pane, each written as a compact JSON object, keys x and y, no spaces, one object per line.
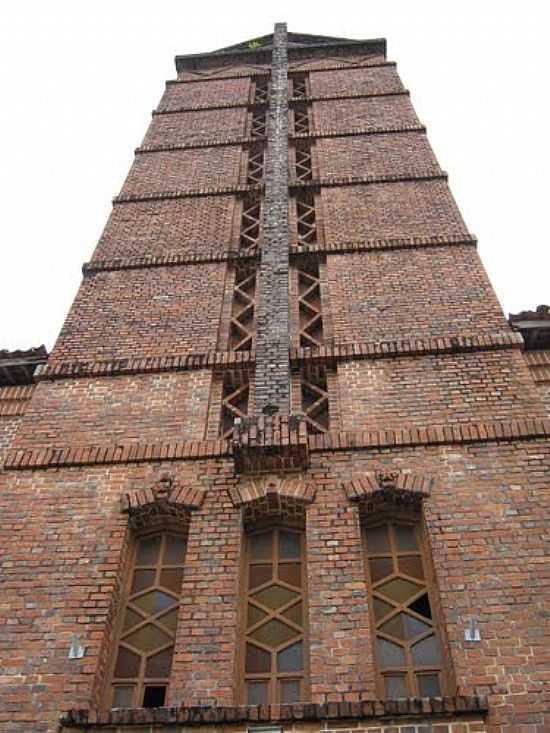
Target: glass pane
{"x":148,"y":551}
{"x":404,"y":626}
{"x":377,"y":540}
{"x":405,"y":537}
{"x":422,"y":606}
{"x":254,"y":615}
{"x":273,"y":633}
{"x":291,"y":573}
{"x":411,"y":566}
{"x":131,"y":618}
{"x":390,"y":654}
{"x":154,"y":696}
{"x":154,"y":602}
{"x":291,"y":658}
{"x":123,"y":697}
{"x":380,"y":568}
{"x":294,"y":614}
{"x":261,"y":546}
{"x":257,"y":660}
{"x":428,"y":685}
{"x":275,"y":596}
{"x":174,"y":550}
{"x":258,"y":575}
{"x":148,"y":638}
{"x":426,"y":652}
{"x":395,"y":686}
{"x":127,"y":663}
{"x":289,"y":545}
{"x":381,"y":608}
{"x":170,"y":619}
{"x":171,"y":579}
{"x":256,"y":693}
{"x":142,"y":579}
{"x":399,"y":589}
{"x":290,"y":691}
{"x":159,"y":665}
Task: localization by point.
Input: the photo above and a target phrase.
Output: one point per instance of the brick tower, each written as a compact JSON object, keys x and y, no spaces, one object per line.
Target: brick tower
{"x":285,"y":465}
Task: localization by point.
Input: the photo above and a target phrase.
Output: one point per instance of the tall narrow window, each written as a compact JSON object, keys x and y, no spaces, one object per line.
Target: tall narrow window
{"x":146,"y":638}
{"x":274,"y":657}
{"x":407,"y":647}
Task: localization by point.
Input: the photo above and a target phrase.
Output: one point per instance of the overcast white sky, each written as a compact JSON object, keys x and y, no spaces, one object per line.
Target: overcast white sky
{"x":79,"y":81}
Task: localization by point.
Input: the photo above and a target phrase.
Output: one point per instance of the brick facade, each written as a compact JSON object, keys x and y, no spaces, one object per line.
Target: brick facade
{"x":394,"y":386}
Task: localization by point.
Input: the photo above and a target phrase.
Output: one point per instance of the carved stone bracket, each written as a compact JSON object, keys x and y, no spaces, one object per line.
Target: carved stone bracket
{"x":166,"y":503}
{"x":270,"y":443}
{"x":272,"y":496}
{"x":374,"y":490}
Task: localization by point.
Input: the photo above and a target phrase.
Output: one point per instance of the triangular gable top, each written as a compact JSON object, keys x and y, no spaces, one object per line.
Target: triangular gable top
{"x":294,"y":39}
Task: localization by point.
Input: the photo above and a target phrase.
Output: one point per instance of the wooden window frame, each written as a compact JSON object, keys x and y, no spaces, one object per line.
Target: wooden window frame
{"x":409,"y":670}
{"x":273,"y":677}
{"x":140,"y":682}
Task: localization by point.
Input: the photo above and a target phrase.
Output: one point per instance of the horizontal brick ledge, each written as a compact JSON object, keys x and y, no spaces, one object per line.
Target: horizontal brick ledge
{"x":380,"y":244}
{"x":413,"y":175}
{"x":348,"y":95}
{"x":145,"y":365}
{"x":13,"y":408}
{"x":93,"y":455}
{"x":478,"y":432}
{"x":253,"y":73}
{"x":221,"y":360}
{"x":334,"y":132}
{"x":202,"y":107}
{"x":411,"y":347}
{"x":187,"y":193}
{"x":339,"y":67}
{"x":169,"y":260}
{"x":367,"y":709}
{"x":206,"y":143}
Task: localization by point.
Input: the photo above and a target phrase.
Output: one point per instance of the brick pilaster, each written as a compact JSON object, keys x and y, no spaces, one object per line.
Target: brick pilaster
{"x":273,"y":340}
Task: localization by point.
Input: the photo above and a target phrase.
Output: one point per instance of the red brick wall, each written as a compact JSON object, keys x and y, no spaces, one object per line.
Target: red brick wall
{"x":126,"y":409}
{"x":222,"y":72}
{"x":145,"y":312}
{"x":388,"y":210}
{"x":205,"y":94}
{"x":174,"y":226}
{"x":373,"y":155}
{"x":186,"y":128}
{"x":355,"y":81}
{"x":178,"y":170}
{"x":446,"y":293}
{"x":420,"y":391}
{"x":330,"y":60}
{"x":364,"y":114}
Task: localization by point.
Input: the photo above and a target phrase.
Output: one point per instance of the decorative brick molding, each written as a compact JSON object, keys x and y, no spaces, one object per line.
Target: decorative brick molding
{"x":539,"y":365}
{"x":413,"y":175}
{"x":347,"y":95}
{"x":270,"y":443}
{"x":272,"y":496}
{"x":253,"y":73}
{"x":14,"y":399}
{"x":167,"y":502}
{"x":187,"y":193}
{"x":219,"y":141}
{"x":382,"y":244}
{"x":334,"y":132}
{"x":391,"y":487}
{"x":295,"y":68}
{"x":175,"y":260}
{"x":201,"y":107}
{"x":449,"y":707}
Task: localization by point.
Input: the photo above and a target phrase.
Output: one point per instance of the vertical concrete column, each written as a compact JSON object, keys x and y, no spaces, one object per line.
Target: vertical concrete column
{"x":272,"y":382}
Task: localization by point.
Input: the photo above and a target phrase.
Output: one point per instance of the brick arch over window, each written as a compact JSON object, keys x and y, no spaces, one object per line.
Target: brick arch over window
{"x":274,"y":497}
{"x":141,"y":659}
{"x":396,"y":488}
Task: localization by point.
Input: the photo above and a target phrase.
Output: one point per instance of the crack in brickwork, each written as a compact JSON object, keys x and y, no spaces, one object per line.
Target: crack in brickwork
{"x":272,"y":380}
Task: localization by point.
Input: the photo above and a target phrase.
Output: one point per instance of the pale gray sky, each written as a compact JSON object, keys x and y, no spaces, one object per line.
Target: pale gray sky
{"x":79,"y":81}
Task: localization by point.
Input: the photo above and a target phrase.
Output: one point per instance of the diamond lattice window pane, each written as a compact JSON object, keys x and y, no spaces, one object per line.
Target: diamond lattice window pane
{"x":154,"y":602}
{"x":274,"y":633}
{"x":399,"y":589}
{"x":275,"y":596}
{"x":147,"y":638}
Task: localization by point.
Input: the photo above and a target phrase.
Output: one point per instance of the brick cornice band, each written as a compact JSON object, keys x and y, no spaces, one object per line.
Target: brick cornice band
{"x":253,"y":74}
{"x":333,"y":181}
{"x":187,"y":193}
{"x":203,"y":107}
{"x":206,"y":143}
{"x":366,"y":709}
{"x":349,"y":95}
{"x":381,"y":244}
{"x":478,"y":432}
{"x":334,"y":132}
{"x":200,"y":257}
{"x":220,"y":360}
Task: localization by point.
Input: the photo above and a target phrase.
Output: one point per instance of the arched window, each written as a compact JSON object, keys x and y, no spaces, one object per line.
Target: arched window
{"x":274,"y":640}
{"x":407,"y":641}
{"x":143,"y":659}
